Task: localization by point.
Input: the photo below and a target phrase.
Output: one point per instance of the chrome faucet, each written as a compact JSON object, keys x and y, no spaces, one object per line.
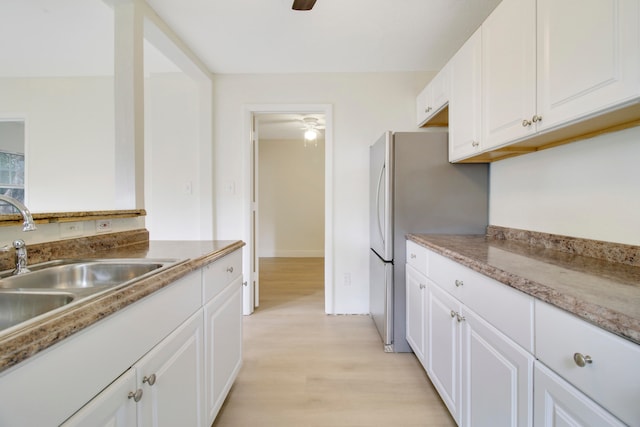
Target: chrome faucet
{"x":19,"y":245}
{"x":28,"y":224}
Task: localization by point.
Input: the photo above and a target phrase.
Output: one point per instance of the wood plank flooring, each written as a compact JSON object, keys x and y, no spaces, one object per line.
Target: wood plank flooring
{"x":304,"y":368}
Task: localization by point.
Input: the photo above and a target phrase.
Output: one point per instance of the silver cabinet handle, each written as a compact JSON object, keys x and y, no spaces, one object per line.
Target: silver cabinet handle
{"x":459,"y":283}
{"x":229,"y":269}
{"x":536,"y":118}
{"x":460,"y":318}
{"x":453,"y":314}
{"x":526,"y":123}
{"x":136,"y":396}
{"x":413,"y":256}
{"x":475,"y":143}
{"x":422,"y":286}
{"x":151,"y":380}
{"x":426,"y":110}
{"x":582,"y":360}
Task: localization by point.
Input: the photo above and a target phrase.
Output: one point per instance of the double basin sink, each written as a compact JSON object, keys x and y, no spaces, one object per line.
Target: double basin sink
{"x":55,"y":285}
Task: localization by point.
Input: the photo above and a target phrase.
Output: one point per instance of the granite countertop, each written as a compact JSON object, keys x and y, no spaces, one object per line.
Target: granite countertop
{"x":599,"y":291}
{"x":18,"y":344}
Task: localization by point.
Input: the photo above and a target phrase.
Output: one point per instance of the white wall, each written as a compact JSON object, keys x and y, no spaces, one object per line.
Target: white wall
{"x":69,"y":133}
{"x":364,"y":106}
{"x":588,"y":189}
{"x":172,"y":157}
{"x":291,"y":199}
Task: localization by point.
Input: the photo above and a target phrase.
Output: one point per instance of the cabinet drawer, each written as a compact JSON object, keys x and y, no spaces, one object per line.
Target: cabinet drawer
{"x":417,"y":257}
{"x":445,"y":272}
{"x":217,"y":275}
{"x":612,"y":379}
{"x":508,"y":309}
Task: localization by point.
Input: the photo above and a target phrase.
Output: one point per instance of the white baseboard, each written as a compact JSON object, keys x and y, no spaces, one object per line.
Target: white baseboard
{"x":293,"y":253}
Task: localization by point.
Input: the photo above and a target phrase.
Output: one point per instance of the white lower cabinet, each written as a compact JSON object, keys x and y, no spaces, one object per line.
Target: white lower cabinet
{"x":171,"y":379}
{"x":223,"y":353}
{"x":416,"y":303}
{"x":164,"y":388}
{"x":111,"y":408}
{"x":480,"y":355}
{"x":559,"y":404}
{"x":482,"y":375}
{"x":443,"y":344}
{"x":166,"y":360}
{"x":497,"y":376}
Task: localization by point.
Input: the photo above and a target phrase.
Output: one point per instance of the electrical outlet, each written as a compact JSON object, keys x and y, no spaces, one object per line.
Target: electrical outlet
{"x":71,"y":229}
{"x":103,"y":225}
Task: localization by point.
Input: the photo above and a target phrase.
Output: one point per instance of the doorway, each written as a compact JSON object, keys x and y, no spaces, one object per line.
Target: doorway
{"x":287,"y":169}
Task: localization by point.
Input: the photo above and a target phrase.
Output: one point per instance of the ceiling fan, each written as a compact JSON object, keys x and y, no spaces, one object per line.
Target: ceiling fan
{"x":303,"y":4}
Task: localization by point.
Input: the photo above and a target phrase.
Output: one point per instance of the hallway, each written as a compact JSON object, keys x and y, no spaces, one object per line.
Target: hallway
{"x":303,"y":368}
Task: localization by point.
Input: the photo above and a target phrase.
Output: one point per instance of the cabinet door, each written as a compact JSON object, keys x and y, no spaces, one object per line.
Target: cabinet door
{"x":443,"y":347}
{"x":497,"y":377}
{"x":588,"y":57}
{"x":508,"y":72}
{"x":465,"y":118}
{"x":558,"y":404}
{"x":223,"y":351}
{"x":416,"y":299}
{"x":170,"y":376}
{"x":111,"y":408}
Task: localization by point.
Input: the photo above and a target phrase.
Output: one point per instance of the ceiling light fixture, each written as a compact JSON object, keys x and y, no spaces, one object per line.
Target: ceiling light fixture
{"x":310,"y":131}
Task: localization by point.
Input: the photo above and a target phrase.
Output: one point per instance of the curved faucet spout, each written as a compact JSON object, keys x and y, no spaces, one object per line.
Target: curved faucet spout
{"x":28,"y":224}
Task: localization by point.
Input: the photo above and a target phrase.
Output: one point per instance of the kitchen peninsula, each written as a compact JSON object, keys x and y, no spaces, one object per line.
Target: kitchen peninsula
{"x":183,"y":322}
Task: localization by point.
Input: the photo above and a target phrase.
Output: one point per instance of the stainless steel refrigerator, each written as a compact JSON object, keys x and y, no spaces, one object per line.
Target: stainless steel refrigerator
{"x":414,"y":189}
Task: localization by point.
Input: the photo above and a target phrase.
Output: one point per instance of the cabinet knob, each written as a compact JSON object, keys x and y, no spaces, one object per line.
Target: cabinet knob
{"x":475,"y":143}
{"x":136,"y":396}
{"x":459,"y":283}
{"x":413,"y":256}
{"x":453,"y":314}
{"x":229,"y":269}
{"x":426,"y":110}
{"x":582,"y":360}
{"x":536,"y":118}
{"x":460,"y":318}
{"x":151,"y":380}
{"x":526,"y":123}
{"x":422,"y":286}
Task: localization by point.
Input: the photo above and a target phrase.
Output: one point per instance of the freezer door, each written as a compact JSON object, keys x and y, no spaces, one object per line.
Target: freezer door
{"x":381,"y":297}
{"x":380,"y":185}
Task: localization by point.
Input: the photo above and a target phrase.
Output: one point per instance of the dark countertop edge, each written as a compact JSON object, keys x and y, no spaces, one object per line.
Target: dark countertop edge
{"x":603,"y":317}
{"x":23,"y":343}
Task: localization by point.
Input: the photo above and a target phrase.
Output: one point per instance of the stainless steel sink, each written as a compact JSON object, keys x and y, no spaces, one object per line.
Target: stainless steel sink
{"x":17,"y":307}
{"x":79,"y":274}
{"x":60,"y":283}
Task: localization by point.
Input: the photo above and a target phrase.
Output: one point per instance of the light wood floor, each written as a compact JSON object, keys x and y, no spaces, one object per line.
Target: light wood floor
{"x":304,"y":368}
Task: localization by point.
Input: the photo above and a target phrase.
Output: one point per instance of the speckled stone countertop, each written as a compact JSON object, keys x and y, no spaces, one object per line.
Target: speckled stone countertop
{"x":19,"y":343}
{"x":598,"y":290}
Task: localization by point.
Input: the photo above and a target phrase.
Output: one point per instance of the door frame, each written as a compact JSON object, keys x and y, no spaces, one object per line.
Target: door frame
{"x":251,"y":274}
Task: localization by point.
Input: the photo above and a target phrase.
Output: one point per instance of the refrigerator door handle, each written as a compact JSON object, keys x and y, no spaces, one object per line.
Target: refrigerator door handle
{"x":380,"y":178}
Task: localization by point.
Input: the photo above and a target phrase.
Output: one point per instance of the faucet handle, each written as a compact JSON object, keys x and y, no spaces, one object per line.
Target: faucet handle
{"x":19,"y":244}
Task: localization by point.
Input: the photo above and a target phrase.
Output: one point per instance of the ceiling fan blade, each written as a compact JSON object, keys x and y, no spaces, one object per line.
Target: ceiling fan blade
{"x":303,"y":4}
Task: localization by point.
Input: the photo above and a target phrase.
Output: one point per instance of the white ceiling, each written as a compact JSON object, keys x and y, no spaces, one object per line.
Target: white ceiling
{"x":286,"y":126}
{"x":266,"y":36}
{"x":75,"y":37}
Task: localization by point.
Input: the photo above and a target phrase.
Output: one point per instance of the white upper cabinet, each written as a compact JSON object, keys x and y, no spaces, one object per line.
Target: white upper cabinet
{"x":588,"y":57}
{"x":552,"y":71}
{"x":465,"y":106}
{"x":509,"y":72}
{"x":433,"y":99}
